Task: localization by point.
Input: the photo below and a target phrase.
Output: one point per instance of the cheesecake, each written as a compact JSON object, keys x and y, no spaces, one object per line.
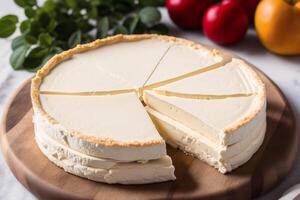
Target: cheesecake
{"x":105,"y":110}
{"x":105,"y":170}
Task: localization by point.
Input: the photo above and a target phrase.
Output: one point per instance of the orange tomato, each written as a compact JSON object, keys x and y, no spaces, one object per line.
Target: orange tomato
{"x":277,"y":23}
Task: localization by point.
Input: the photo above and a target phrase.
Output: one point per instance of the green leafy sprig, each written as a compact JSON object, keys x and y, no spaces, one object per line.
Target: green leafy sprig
{"x":58,"y":25}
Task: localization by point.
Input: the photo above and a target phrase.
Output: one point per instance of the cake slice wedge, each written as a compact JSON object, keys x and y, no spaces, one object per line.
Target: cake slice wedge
{"x":105,"y":170}
{"x":223,"y":157}
{"x":182,"y":58}
{"x":235,"y":78}
{"x":110,"y":126}
{"x":223,"y":121}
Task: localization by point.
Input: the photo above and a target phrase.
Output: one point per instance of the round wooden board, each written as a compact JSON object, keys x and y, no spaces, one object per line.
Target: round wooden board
{"x":195,"y":179}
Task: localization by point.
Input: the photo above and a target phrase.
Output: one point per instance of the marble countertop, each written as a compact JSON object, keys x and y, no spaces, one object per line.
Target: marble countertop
{"x":285,"y":71}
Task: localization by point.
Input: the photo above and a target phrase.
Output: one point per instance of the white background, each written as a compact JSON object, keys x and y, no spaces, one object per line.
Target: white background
{"x":285,"y":71}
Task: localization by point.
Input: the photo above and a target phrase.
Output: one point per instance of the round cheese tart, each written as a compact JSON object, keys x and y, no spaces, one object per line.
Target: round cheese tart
{"x":104,"y":110}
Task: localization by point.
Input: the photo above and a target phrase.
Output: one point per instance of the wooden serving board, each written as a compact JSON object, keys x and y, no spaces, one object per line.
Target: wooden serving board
{"x":195,"y":179}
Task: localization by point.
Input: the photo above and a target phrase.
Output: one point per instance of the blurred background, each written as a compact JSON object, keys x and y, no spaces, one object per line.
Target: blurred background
{"x":266,"y":33}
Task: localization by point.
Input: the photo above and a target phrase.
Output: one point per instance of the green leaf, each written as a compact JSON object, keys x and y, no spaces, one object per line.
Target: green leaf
{"x":62,"y":44}
{"x":45,"y":39}
{"x":74,"y":39}
{"x":49,"y":6}
{"x":31,"y":2}
{"x":18,"y":42}
{"x":35,"y":28}
{"x":65,"y":29}
{"x":24,"y":3}
{"x":93,"y":12}
{"x":52,"y":25}
{"x":25,"y":25}
{"x":159,"y":29}
{"x":102,"y":27}
{"x":17,"y":58}
{"x":21,"y":3}
{"x":7,"y":28}
{"x":150,"y":16}
{"x":131,"y":23}
{"x":44,"y":19}
{"x":30,"y":12}
{"x":72,"y":3}
{"x":12,"y":18}
{"x":120,"y":30}
{"x":35,"y":57}
{"x":134,"y":25}
{"x":30,"y":39}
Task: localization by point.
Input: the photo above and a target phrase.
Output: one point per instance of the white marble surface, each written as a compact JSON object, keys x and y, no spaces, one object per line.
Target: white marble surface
{"x":285,"y":71}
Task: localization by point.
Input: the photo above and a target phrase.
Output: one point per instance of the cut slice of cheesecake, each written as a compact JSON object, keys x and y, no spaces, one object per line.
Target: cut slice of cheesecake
{"x":235,"y":78}
{"x":106,"y":170}
{"x":116,"y":63}
{"x":100,"y":126}
{"x":224,"y":158}
{"x":223,"y":121}
{"x":125,"y":173}
{"x":183,"y":59}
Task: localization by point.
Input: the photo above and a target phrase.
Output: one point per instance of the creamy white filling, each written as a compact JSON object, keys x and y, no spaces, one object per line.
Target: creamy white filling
{"x":127,"y":153}
{"x":182,"y":59}
{"x":62,"y":152}
{"x":210,"y":117}
{"x":225,"y":158}
{"x":116,"y":66}
{"x":232,"y":78}
{"x":125,"y":173}
{"x":119,"y":117}
{"x":82,"y":120}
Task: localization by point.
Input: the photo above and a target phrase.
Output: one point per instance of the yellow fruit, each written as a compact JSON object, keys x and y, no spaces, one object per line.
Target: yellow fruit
{"x":277,"y":23}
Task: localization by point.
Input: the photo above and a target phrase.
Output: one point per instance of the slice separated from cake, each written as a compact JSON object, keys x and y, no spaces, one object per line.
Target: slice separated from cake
{"x":101,"y":139}
{"x":217,"y":121}
{"x":105,"y":170}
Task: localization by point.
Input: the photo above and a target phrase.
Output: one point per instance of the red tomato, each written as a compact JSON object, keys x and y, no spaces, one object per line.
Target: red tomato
{"x":225,"y":23}
{"x":249,"y":6}
{"x":188,"y":14}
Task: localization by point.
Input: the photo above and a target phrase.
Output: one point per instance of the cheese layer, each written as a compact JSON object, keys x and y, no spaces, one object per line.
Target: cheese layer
{"x":181,"y":59}
{"x":89,"y":123}
{"x":212,"y":118}
{"x":117,"y":66}
{"x":235,"y":77}
{"x":62,"y":152}
{"x":124,"y":173}
{"x":225,"y":158}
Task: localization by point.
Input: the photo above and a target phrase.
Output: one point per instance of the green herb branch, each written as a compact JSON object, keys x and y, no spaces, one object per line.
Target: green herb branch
{"x":58,"y":25}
